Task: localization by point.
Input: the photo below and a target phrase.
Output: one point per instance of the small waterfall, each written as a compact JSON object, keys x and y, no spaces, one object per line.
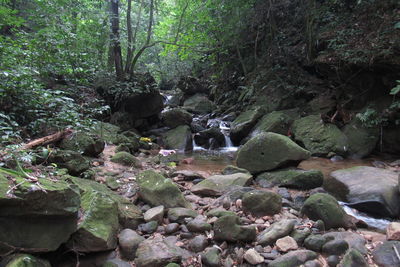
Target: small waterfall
{"x":225,"y":129}
{"x":195,"y":146}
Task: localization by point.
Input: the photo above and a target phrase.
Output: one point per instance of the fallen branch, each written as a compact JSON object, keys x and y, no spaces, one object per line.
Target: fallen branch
{"x":47,"y":139}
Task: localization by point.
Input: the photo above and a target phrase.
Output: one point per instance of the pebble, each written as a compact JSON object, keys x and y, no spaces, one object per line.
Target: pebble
{"x":253,"y":257}
{"x":286,"y":243}
{"x":171,"y":228}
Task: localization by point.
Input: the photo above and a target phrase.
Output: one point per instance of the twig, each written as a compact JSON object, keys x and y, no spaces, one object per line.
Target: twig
{"x":397,"y":252}
{"x":14,"y":187}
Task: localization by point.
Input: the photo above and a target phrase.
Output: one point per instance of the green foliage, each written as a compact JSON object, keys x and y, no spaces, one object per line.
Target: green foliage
{"x":395,"y":90}
{"x":371,"y":118}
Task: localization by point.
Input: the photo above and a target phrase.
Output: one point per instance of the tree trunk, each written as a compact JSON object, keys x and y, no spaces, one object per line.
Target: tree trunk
{"x":115,"y":41}
{"x":130,"y":36}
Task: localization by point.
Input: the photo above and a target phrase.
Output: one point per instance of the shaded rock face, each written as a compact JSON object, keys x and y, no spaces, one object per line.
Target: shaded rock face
{"x":73,"y":161}
{"x":218,"y":184}
{"x":210,"y":138}
{"x":176,"y":117}
{"x":324,"y":207}
{"x":143,"y":105}
{"x":268,"y":151}
{"x":157,"y":190}
{"x":318,"y":137}
{"x":179,"y":138}
{"x":198,"y":104}
{"x":243,"y":124}
{"x":359,"y":187}
{"x":276,"y":122}
{"x":34,"y":220}
{"x":292,"y":178}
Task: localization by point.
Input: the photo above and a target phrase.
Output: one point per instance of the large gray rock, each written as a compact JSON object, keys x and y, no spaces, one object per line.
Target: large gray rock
{"x":368,"y":189}
{"x":385,"y":256}
{"x":318,"y":137}
{"x":261,"y":203}
{"x":228,"y":228}
{"x":157,"y":190}
{"x":158,"y":252}
{"x":274,"y":232}
{"x":218,"y":184}
{"x":243,"y":124}
{"x":293,"y":258}
{"x":354,"y":240}
{"x":179,"y":138}
{"x":291,"y":178}
{"x":28,"y":214}
{"x":276,"y":122}
{"x":268,"y":151}
{"x":176,"y":117}
{"x":324,"y":207}
{"x":199,"y":104}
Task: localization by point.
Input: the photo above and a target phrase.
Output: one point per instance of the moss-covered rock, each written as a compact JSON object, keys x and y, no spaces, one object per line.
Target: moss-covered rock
{"x":261,"y":203}
{"x":293,"y":258}
{"x":73,"y":161}
{"x":218,"y":184}
{"x":276,"y":122}
{"x":292,"y":178}
{"x":243,"y":124}
{"x":176,"y":117}
{"x":324,"y":207}
{"x":89,"y":145}
{"x":157,"y":190}
{"x":353,"y":258}
{"x":318,"y":137}
{"x":127,"y":159}
{"x":179,"y":138}
{"x":24,"y":260}
{"x":36,"y":219}
{"x":228,"y":228}
{"x":268,"y":151}
{"x":277,"y":230}
{"x":199,"y":104}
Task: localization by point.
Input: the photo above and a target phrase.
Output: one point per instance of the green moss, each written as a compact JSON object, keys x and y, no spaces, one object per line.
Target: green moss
{"x":24,"y":260}
{"x":124,"y":158}
{"x":292,"y":178}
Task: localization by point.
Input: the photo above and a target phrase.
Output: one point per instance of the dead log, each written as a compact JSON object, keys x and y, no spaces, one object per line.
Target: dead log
{"x":47,"y":139}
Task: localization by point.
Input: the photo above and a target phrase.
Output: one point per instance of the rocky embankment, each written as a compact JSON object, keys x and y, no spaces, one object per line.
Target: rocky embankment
{"x":132,"y":208}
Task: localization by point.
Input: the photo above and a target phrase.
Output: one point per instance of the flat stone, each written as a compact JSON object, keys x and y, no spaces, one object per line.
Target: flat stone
{"x":179,"y":214}
{"x":294,"y":258}
{"x":216,"y":185}
{"x":253,"y":257}
{"x":287,"y":243}
{"x":384,"y":254}
{"x":274,"y":232}
{"x":154,"y":214}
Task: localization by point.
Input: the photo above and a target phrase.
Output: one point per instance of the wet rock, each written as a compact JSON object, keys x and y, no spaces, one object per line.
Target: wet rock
{"x":275,"y":231}
{"x":157,"y":190}
{"x":228,"y":228}
{"x":276,"y":122}
{"x":335,"y":247}
{"x":33,"y":213}
{"x":286,"y":243}
{"x":324,"y":207}
{"x":253,"y":257}
{"x":73,"y":161}
{"x":393,"y":231}
{"x":262,"y":203}
{"x":354,"y":240}
{"x":159,"y":252}
{"x":126,"y":159}
{"x":230,"y":169}
{"x":353,"y":258}
{"x":211,"y":138}
{"x":199,"y":225}
{"x":129,"y":241}
{"x":171,"y":228}
{"x":176,"y":117}
{"x":89,"y":145}
{"x":333,"y":260}
{"x":358,"y":187}
{"x":198,"y":243}
{"x":149,"y":227}
{"x":291,"y":178}
{"x":154,"y":214}
{"x":293,"y":258}
{"x":179,"y":214}
{"x":217,"y":184}
{"x":315,"y":242}
{"x":362,"y":140}
{"x":211,"y":257}
{"x":268,"y":151}
{"x":24,"y":260}
{"x":300,"y":235}
{"x":318,"y":137}
{"x":198,"y":104}
{"x":243,"y":124}
{"x":384,"y":254}
{"x":179,"y":138}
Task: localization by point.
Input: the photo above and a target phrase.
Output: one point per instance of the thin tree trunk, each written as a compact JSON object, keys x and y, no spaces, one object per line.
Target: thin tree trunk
{"x":115,"y":41}
{"x":132,"y":39}
{"x":241,"y":61}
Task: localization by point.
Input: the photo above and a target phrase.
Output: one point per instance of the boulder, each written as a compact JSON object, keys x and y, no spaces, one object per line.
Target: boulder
{"x":291,"y":178}
{"x":354,"y":240}
{"x":261,"y":203}
{"x":275,"y":231}
{"x":362,"y":140}
{"x":129,"y":241}
{"x":175,"y":117}
{"x":179,"y":138}
{"x":156,"y":190}
{"x":276,"y":122}
{"x":89,"y":145}
{"x":228,"y":228}
{"x":106,"y":131}
{"x":142,"y":105}
{"x":24,"y":260}
{"x":269,"y":151}
{"x":385,"y":256}
{"x":28,"y":213}
{"x":126,"y":159}
{"x":359,"y":187}
{"x":243,"y":124}
{"x":218,"y":184}
{"x":198,"y":104}
{"x":324,"y":207}
{"x":211,"y":138}
{"x":318,"y":137}
{"x":73,"y":161}
{"x":158,"y":252}
{"x":293,"y":258}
